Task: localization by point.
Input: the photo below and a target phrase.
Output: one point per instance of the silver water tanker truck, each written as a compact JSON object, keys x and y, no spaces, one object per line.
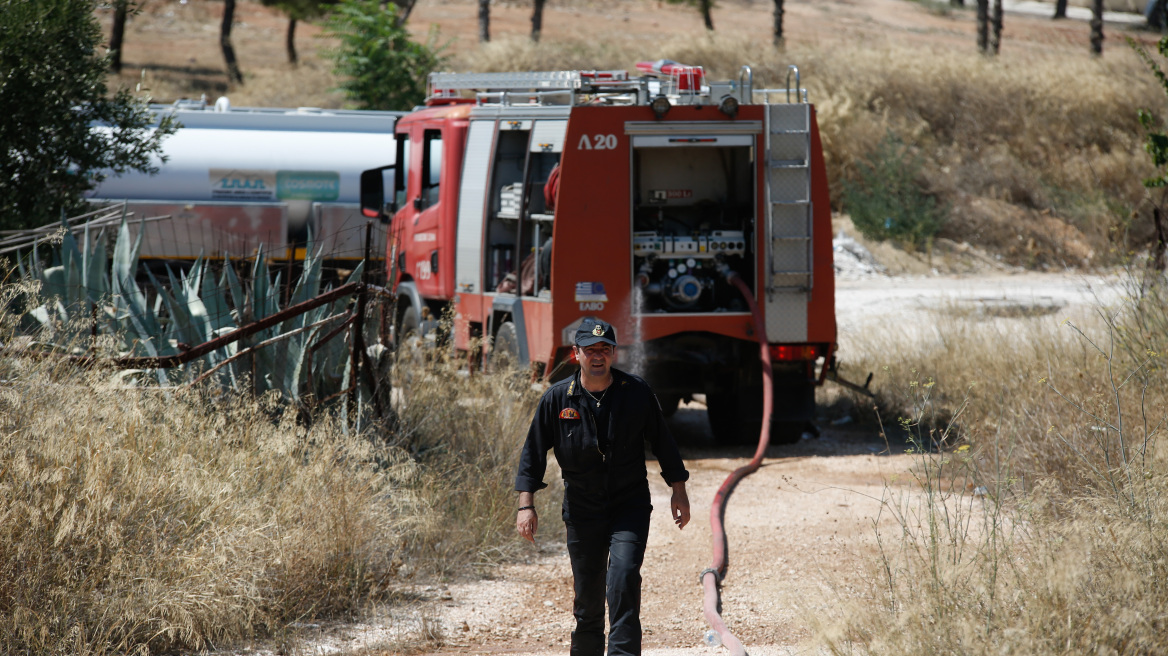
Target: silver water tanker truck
{"x":236,"y":180}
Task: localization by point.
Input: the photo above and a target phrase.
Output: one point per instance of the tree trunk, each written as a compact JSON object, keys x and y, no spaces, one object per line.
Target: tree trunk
{"x":233,"y":72}
{"x":484,"y":20}
{"x":983,"y":15}
{"x":1060,"y":9}
{"x":290,"y":42}
{"x":404,"y":7}
{"x":537,"y":20}
{"x":1156,"y":17}
{"x":117,"y":35}
{"x":1097,"y":27}
{"x":1158,"y":251}
{"x":996,"y":23}
{"x":778,"y":35}
{"x":706,"y":15}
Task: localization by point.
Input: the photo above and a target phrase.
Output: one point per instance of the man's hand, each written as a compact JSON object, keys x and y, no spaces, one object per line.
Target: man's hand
{"x":679,"y":505}
{"x":527,"y":521}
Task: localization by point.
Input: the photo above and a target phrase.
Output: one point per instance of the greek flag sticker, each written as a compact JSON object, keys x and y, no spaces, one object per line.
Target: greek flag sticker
{"x":588,"y":292}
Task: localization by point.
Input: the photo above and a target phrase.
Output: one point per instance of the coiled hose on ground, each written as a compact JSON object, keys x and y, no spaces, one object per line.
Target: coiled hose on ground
{"x":711,"y":577}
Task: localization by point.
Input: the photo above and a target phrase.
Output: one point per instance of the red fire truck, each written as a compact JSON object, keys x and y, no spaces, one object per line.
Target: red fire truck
{"x":526,"y":202}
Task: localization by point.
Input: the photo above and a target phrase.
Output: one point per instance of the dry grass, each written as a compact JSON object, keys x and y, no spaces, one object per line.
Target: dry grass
{"x":468,"y":429}
{"x":1039,"y":525}
{"x":147,"y":520}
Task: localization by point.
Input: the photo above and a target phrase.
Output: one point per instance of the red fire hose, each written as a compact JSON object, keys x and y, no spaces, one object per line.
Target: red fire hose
{"x":711,"y":577}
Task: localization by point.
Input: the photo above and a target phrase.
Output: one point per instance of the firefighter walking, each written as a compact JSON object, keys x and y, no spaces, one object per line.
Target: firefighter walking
{"x":597,"y":422}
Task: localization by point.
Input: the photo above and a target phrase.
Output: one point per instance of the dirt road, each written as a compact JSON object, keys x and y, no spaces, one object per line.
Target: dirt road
{"x":801,"y":529}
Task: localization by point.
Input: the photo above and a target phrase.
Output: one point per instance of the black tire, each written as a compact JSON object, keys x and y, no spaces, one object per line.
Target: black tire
{"x":723,"y":414}
{"x":409,"y":338}
{"x":505,"y":348}
{"x":786,"y":432}
{"x":668,"y":404}
{"x":736,"y":419}
{"x":408,"y":326}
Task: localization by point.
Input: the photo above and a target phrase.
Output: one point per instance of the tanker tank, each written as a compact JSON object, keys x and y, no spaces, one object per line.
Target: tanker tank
{"x":235,"y":180}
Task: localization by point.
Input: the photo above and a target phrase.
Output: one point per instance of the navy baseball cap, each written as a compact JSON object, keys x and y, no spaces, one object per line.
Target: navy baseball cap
{"x":594,"y":331}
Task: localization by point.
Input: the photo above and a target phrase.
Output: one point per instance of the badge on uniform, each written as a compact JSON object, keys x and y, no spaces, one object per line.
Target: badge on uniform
{"x":569,"y":413}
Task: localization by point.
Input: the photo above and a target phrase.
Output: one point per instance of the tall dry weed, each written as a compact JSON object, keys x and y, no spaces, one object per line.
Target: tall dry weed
{"x":152,"y":519}
{"x":467,"y":427}
{"x":1039,"y":522}
{"x":146,"y":520}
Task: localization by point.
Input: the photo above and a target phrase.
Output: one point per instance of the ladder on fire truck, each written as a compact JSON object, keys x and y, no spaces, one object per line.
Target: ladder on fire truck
{"x":679,"y":83}
{"x":790,"y":218}
{"x":538,"y":87}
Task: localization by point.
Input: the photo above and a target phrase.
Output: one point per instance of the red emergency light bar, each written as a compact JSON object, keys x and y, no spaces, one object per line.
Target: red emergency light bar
{"x":794,"y":352}
{"x":689,"y":78}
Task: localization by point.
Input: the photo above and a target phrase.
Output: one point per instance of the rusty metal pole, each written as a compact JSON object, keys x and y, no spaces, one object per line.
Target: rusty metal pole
{"x":93,"y":316}
{"x":358,"y":341}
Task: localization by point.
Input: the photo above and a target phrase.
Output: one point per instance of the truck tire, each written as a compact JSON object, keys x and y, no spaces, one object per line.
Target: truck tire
{"x":722,"y":412}
{"x":736,"y":418}
{"x":505,"y":348}
{"x":409,"y":322}
{"x":408,"y":326}
{"x":668,"y":404}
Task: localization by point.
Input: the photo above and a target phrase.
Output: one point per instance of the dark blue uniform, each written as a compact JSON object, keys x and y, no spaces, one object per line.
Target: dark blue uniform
{"x":601,"y":451}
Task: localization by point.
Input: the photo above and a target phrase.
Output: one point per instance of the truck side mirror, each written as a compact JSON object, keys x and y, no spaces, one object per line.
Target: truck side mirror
{"x":373,"y":203}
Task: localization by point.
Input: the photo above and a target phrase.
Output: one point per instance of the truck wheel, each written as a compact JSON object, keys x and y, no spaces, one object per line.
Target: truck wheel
{"x":409,"y":324}
{"x":736,"y":418}
{"x":505,"y":349}
{"x":668,"y":404}
{"x":724,"y":416}
{"x":786,"y":432}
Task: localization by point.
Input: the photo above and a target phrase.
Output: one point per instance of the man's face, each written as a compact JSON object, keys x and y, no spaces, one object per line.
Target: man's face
{"x":596,"y":360}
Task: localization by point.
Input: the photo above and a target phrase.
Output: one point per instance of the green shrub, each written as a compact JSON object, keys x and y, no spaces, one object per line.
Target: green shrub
{"x":52,"y":90}
{"x":888,"y":201}
{"x":381,"y":67}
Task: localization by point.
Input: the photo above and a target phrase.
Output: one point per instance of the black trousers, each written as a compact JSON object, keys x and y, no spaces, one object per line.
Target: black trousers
{"x":606,"y":563}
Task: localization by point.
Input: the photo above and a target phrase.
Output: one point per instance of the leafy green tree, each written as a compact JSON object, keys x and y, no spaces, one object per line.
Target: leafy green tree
{"x":52,"y":94}
{"x":381,"y":67}
{"x":1156,"y":141}
{"x":1156,"y":145}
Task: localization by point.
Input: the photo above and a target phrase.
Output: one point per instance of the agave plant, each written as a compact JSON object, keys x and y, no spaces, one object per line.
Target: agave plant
{"x":85,"y":292}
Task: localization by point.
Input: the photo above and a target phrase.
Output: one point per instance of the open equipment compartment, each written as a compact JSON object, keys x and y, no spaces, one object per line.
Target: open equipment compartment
{"x":693,"y":212}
